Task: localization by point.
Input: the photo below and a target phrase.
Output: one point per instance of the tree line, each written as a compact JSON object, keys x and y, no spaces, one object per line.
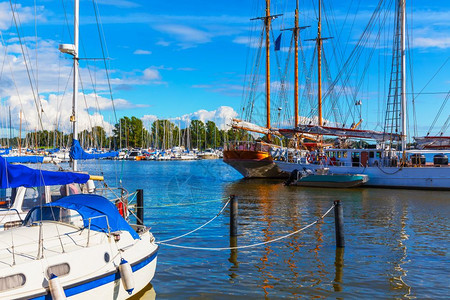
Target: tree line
{"x":130,"y":132}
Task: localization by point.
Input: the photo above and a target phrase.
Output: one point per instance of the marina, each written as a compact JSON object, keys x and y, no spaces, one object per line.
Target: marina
{"x":144,"y":156}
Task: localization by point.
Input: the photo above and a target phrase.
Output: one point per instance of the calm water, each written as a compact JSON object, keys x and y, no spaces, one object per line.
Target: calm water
{"x":397,"y":241}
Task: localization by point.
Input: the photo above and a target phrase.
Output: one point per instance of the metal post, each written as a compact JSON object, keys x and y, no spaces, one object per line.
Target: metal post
{"x":233,"y":215}
{"x":140,"y":207}
{"x":339,"y":223}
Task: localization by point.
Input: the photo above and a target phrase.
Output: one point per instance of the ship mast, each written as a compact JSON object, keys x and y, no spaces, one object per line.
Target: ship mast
{"x":402,"y":3}
{"x":267,"y":21}
{"x":319,"y":66}
{"x":296,"y":33}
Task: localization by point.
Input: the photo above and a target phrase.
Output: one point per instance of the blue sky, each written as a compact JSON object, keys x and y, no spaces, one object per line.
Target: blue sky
{"x":170,"y":59}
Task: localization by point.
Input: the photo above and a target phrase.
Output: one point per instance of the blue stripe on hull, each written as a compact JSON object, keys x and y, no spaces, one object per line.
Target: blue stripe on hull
{"x":96,"y":282}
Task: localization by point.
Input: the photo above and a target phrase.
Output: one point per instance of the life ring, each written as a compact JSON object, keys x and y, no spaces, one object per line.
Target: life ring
{"x":122,"y":208}
{"x":310,"y":158}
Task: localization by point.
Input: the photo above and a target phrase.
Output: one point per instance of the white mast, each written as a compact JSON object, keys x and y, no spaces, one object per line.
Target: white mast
{"x":403,"y":63}
{"x":72,"y":49}
{"x":75,"y":76}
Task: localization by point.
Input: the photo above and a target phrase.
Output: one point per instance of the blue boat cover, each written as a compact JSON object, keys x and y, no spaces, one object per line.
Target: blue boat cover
{"x":25,"y":159}
{"x":5,"y":151}
{"x":95,"y":207}
{"x":51,"y":151}
{"x":76,"y":152}
{"x":12,"y":176}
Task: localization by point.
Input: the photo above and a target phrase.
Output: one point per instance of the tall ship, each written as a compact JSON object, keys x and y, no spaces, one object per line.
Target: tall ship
{"x":388,"y":162}
{"x":254,"y":158}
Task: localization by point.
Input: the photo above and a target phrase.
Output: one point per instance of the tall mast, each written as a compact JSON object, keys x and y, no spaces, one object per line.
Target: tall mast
{"x":296,"y":33}
{"x":73,"y":118}
{"x":403,"y":74}
{"x":267,"y":22}
{"x":319,"y":65}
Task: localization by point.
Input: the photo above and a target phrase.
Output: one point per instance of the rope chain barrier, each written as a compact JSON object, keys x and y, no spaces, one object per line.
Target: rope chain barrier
{"x":248,"y":246}
{"x":192,"y":231}
{"x":188,"y":203}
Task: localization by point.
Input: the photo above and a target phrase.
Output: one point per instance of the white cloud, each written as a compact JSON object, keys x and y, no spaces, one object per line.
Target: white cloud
{"x":142,"y":52}
{"x":25,"y":14}
{"x":53,"y":79}
{"x":432,"y":42}
{"x":119,"y":3}
{"x":149,"y":119}
{"x":151,"y":74}
{"x":163,"y":43}
{"x":221,"y":116}
{"x":185,"y":35}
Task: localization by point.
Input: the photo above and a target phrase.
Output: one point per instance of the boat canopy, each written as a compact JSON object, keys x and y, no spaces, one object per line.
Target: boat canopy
{"x":25,"y":159}
{"x":52,"y":151}
{"x":12,"y":176}
{"x":76,"y":152}
{"x":94,"y":209}
{"x":5,"y":151}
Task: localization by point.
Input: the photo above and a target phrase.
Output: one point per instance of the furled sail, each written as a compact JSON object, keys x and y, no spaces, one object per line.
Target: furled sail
{"x":18,"y":175}
{"x":336,"y":131}
{"x":244,"y":125}
{"x":76,"y":152}
{"x":433,"y":142}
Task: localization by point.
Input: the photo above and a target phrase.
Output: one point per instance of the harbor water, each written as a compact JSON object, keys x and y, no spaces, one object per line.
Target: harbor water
{"x":397,"y":241}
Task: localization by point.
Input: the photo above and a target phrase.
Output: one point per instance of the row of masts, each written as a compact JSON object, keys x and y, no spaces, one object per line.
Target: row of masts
{"x":296,"y":32}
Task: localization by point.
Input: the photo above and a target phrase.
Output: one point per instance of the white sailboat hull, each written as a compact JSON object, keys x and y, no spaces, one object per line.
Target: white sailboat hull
{"x":406,"y":177}
{"x":90,"y":275}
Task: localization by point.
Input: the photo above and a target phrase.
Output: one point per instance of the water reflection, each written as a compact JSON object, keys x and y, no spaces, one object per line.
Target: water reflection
{"x":148,"y":293}
{"x":233,"y":258}
{"x":339,"y":267}
{"x":394,"y":238}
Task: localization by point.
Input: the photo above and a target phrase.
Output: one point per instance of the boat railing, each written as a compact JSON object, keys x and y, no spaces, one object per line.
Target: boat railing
{"x":247,"y":146}
{"x":89,"y":227}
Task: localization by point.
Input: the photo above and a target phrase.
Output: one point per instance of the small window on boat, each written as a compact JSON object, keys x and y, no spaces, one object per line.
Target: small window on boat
{"x":378,"y":154}
{"x":12,"y":282}
{"x":345,"y":154}
{"x":55,"y":213}
{"x":371,"y":154}
{"x":58,"y":270}
{"x":34,"y":196}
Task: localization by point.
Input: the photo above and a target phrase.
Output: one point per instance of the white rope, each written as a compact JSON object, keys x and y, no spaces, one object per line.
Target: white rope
{"x":252,"y":245}
{"x":192,"y":231}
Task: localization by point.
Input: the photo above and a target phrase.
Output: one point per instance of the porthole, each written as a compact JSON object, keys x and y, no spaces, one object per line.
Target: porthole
{"x":58,"y":270}
{"x":12,"y":282}
{"x":107,"y":257}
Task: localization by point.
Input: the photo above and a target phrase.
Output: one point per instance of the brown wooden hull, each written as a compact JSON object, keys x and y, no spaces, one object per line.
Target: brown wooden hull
{"x":253,"y":164}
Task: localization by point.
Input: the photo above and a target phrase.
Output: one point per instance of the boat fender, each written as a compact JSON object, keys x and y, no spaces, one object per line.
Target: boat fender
{"x":56,"y":289}
{"x":127,"y":276}
{"x":90,"y":186}
{"x":122,"y":208}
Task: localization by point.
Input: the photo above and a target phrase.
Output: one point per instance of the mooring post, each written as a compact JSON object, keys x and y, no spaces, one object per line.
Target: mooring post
{"x":339,"y":223}
{"x":233,"y":215}
{"x":140,"y":207}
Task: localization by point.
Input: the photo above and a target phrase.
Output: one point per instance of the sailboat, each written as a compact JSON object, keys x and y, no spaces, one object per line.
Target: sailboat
{"x":254,"y":159}
{"x":384,"y":165}
{"x":76,"y":247}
